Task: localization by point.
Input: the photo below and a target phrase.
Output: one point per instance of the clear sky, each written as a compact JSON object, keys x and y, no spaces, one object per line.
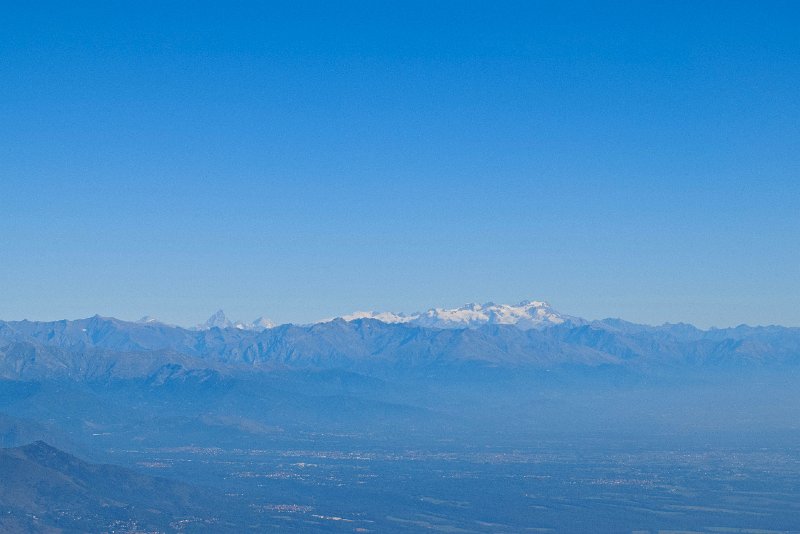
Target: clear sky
{"x":631,"y":159}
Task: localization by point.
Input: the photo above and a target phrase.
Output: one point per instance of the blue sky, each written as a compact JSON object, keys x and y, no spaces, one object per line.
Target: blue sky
{"x":633,"y":159}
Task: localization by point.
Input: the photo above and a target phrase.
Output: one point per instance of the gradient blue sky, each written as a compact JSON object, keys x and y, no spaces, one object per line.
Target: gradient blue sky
{"x":633,"y":159}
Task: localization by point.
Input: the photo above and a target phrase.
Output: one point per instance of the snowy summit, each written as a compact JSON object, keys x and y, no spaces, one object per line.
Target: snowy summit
{"x":220,"y":320}
{"x":526,"y":315}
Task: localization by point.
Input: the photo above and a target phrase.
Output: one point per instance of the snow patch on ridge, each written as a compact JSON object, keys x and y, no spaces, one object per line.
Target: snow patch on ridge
{"x":384,"y":317}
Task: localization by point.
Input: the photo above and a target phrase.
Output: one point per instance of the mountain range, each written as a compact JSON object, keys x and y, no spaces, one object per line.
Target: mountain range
{"x":530,"y":335}
{"x":525,"y":315}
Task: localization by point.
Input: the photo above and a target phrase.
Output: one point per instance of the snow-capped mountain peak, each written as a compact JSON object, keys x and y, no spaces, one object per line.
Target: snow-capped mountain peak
{"x":262,"y":323}
{"x":217,"y":320}
{"x":526,"y":315}
{"x":220,"y":320}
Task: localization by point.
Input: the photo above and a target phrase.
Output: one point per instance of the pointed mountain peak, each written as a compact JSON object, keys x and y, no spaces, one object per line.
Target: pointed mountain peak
{"x":40,"y":449}
{"x":220,"y":320}
{"x":39,"y":444}
{"x":217,"y":320}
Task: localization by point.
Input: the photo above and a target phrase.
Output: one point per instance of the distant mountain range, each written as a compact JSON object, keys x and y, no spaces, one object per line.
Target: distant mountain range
{"x":101,"y":383}
{"x":219,"y":320}
{"x":529,"y":335}
{"x":526,"y":315}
